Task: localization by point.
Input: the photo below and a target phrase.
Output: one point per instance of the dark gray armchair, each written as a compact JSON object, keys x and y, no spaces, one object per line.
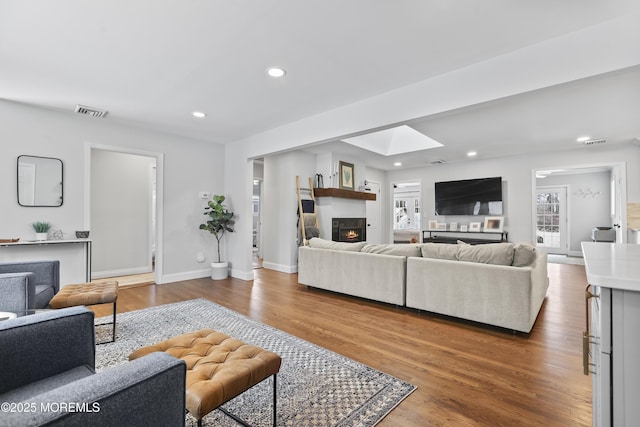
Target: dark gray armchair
{"x":28,"y":285}
{"x":48,"y":360}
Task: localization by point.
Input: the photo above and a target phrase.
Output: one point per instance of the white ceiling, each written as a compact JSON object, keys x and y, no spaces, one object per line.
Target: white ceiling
{"x":151,"y":64}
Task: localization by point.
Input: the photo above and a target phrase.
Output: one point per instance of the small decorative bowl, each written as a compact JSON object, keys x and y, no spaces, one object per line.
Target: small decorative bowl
{"x":82,"y":234}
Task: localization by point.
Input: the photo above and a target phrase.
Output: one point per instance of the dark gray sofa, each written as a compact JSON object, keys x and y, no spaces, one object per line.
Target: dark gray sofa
{"x":48,"y":364}
{"x":28,"y":285}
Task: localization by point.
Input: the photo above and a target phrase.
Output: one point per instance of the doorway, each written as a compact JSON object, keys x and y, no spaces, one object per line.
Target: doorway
{"x":407,"y":202}
{"x":257,"y":223}
{"x":123,"y":202}
{"x":595,"y":196}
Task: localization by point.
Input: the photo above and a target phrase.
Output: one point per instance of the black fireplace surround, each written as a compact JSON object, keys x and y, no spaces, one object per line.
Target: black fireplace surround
{"x":348,"y":229}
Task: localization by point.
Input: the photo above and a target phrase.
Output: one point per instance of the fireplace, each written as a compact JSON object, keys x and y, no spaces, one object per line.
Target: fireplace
{"x":348,"y":229}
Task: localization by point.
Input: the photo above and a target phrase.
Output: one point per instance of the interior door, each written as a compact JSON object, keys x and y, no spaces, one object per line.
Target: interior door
{"x":616,"y":209}
{"x":551,"y":219}
{"x":373,"y":213}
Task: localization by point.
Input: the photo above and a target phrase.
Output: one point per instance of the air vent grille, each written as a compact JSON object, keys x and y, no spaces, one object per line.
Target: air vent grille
{"x":595,"y":141}
{"x":436,"y":162}
{"x":90,"y":111}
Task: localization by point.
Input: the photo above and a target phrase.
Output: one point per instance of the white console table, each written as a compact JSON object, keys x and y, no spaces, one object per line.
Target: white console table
{"x":611,"y":346}
{"x":86,"y":243}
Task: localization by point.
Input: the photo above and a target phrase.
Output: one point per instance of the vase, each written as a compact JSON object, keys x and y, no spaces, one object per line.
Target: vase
{"x":41,"y":236}
{"x":219,"y":270}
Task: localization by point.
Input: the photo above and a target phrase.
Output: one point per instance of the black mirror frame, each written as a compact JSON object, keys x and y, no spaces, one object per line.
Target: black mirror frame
{"x":61,"y":182}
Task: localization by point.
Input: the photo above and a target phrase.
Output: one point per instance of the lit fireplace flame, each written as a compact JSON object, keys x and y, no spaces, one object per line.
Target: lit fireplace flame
{"x":351,"y":235}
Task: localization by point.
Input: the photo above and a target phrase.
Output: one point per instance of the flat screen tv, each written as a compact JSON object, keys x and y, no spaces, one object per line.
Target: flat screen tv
{"x":482,"y":196}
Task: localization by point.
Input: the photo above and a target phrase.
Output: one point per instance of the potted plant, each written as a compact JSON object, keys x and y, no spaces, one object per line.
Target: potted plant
{"x":219,"y":222}
{"x":42,"y":229}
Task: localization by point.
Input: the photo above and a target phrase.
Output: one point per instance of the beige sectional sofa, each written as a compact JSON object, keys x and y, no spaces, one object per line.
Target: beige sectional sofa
{"x":501,"y":284}
{"x":498,"y":284}
{"x":342,"y":267}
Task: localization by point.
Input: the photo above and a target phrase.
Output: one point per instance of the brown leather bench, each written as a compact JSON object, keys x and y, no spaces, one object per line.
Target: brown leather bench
{"x":219,"y":368}
{"x":92,"y":293}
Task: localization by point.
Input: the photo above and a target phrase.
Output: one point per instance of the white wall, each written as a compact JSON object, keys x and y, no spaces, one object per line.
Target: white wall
{"x":121,"y":190}
{"x":190,"y":166}
{"x":518,"y":187}
{"x":280,"y":205}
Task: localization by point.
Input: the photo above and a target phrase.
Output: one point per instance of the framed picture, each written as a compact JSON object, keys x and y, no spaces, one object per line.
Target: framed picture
{"x":453,"y":226}
{"x":442,"y":226}
{"x":493,"y":224}
{"x":433,"y":224}
{"x":474,"y":226}
{"x":463,"y":228}
{"x":346,"y":176}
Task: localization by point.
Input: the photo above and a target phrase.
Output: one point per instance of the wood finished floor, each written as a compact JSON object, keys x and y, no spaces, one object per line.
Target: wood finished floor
{"x":467,"y":374}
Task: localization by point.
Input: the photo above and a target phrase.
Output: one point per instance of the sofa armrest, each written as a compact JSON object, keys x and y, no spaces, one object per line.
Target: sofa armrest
{"x":45,"y":344}
{"x":17,"y":291}
{"x":147,"y":391}
{"x":45,"y":272}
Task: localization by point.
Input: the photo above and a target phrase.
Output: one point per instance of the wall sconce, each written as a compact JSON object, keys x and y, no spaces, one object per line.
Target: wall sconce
{"x":586,"y":193}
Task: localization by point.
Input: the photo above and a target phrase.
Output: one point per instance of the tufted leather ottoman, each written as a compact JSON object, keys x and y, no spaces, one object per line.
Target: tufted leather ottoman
{"x":219,"y":368}
{"x":92,"y":293}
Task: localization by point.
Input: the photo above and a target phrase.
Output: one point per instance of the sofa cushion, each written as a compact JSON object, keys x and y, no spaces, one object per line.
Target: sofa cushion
{"x":400,"y":249}
{"x":22,"y":394}
{"x":491,"y":253}
{"x":523,"y":254}
{"x":319,"y":243}
{"x":440,"y":251}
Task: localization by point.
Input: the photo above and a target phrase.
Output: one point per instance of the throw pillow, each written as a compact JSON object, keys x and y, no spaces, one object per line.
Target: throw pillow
{"x":394,"y":249}
{"x":319,"y":243}
{"x":490,"y":253}
{"x":440,"y":251}
{"x":523,"y":254}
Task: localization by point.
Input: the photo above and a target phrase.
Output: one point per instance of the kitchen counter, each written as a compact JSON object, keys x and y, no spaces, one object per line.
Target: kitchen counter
{"x":612,"y":265}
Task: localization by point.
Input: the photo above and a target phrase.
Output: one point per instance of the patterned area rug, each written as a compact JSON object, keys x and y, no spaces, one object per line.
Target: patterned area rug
{"x":316,"y":387}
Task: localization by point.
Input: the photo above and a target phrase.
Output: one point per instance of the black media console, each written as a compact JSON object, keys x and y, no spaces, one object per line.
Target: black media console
{"x":435,"y":236}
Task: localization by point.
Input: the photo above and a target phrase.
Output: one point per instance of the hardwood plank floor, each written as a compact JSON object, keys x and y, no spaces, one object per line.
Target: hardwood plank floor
{"x":467,"y":374}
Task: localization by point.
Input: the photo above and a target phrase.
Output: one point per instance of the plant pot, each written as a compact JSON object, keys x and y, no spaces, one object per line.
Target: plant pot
{"x":219,"y":270}
{"x":41,"y":236}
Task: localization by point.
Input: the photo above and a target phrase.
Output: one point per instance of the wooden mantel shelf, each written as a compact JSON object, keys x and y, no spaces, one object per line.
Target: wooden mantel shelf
{"x":345,"y":194}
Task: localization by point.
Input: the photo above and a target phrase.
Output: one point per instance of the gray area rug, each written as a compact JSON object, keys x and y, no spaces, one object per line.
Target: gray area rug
{"x":316,"y":387}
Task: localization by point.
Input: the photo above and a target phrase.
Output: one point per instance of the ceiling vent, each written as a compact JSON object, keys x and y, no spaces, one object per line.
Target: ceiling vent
{"x":90,"y":111}
{"x":436,"y":162}
{"x":595,"y":141}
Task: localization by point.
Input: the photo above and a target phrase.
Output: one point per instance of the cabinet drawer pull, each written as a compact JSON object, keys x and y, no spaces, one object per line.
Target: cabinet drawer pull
{"x":586,"y":335}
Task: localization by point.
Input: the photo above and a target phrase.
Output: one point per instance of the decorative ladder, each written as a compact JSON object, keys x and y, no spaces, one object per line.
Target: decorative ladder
{"x":303,"y":216}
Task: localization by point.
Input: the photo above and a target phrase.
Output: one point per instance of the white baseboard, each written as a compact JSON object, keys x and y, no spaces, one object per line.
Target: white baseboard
{"x":247,"y":276}
{"x":280,"y":267}
{"x":187,"y":275}
{"x":121,"y":272}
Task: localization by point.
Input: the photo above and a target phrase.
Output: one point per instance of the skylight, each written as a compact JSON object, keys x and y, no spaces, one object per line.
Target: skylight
{"x":397,"y":140}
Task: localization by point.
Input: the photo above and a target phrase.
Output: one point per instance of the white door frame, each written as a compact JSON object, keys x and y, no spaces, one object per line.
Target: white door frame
{"x":159,"y":253}
{"x":392,"y":198}
{"x":619,"y":169}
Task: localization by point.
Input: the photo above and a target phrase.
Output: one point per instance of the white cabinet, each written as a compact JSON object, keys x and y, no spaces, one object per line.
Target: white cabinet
{"x":597,"y":358}
{"x":625,"y":329}
{"x":612,"y":339}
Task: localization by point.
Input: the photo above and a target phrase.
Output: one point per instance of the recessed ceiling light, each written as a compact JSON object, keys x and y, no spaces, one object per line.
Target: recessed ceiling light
{"x":276,"y":72}
{"x":583,"y":138}
{"x":397,"y":164}
{"x":199,"y":114}
{"x":472,"y":153}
